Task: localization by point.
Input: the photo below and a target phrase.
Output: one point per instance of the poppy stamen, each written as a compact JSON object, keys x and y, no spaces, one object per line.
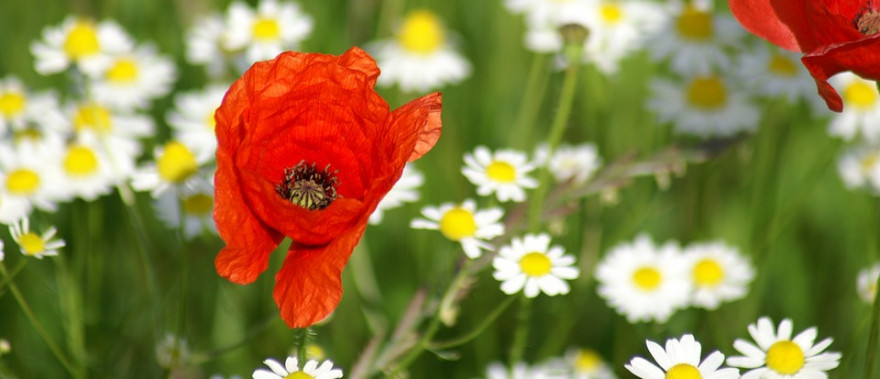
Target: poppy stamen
{"x":867,"y":21}
{"x":308,"y":187}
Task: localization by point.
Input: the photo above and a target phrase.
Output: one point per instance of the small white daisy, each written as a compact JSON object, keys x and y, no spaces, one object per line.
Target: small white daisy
{"x":694,"y":39}
{"x":404,"y":191}
{"x":644,"y":282}
{"x":618,"y":28}
{"x":770,"y":71}
{"x":463,"y":223}
{"x":861,"y":110}
{"x":175,"y":164}
{"x":135,"y":78}
{"x":504,"y":173}
{"x":193,"y":119}
{"x":420,"y":57}
{"x":203,"y":44}
{"x":680,"y":359}
{"x":117,"y":132}
{"x":20,"y":109}
{"x":86,"y":171}
{"x":588,"y":364}
{"x":705,"y":106}
{"x":777,"y":355}
{"x":867,"y":283}
{"x":29,"y":172}
{"x":719,"y":272}
{"x":273,"y":28}
{"x":570,"y":163}
{"x":172,"y":352}
{"x":195,"y":199}
{"x":33,"y":244}
{"x":858,"y":167}
{"x":311,"y":370}
{"x":530,"y":265}
{"x":81,"y":43}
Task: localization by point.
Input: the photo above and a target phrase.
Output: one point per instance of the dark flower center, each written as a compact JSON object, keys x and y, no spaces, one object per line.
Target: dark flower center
{"x":306,"y":186}
{"x":867,"y":21}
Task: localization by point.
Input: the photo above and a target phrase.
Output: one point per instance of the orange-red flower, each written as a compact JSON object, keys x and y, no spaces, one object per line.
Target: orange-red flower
{"x":306,"y":149}
{"x":834,"y":35}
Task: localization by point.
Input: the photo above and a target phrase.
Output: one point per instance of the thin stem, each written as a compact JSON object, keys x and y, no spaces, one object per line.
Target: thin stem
{"x":467,"y":337}
{"x":302,"y":344}
{"x":19,"y":298}
{"x":184,"y":266}
{"x":872,"y":336}
{"x":14,"y":272}
{"x":557,"y":129}
{"x":146,"y":266}
{"x":521,"y":335}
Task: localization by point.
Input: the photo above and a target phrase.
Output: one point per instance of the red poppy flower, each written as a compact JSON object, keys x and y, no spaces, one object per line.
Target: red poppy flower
{"x":834,"y":35}
{"x":306,"y":149}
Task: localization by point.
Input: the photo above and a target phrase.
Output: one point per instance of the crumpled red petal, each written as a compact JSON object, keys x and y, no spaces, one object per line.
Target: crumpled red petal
{"x":862,"y":57}
{"x":423,"y":115}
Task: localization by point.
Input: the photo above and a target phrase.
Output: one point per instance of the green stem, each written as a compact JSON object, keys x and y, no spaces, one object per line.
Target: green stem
{"x":872,"y":336}
{"x":302,"y":344}
{"x":184,"y":267}
{"x":146,"y":266}
{"x":70,"y":297}
{"x":19,"y":298}
{"x":467,"y":337}
{"x":12,"y":274}
{"x":557,"y":129}
{"x":533,"y":96}
{"x":518,"y":348}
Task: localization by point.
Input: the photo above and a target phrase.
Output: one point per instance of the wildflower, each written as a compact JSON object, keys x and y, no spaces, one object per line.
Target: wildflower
{"x":772,"y":72}
{"x":867,"y":283}
{"x":780,"y":356}
{"x":172,"y":352}
{"x":191,"y":203}
{"x":463,"y":223}
{"x":404,"y":191}
{"x":135,"y":78}
{"x":175,"y":165}
{"x":203,"y":44}
{"x":644,"y":282}
{"x":858,"y":167}
{"x":706,"y":106}
{"x":33,"y":244}
{"x":680,"y":359}
{"x":531,"y":265}
{"x":834,"y":36}
{"x":116,"y":131}
{"x":290,"y":369}
{"x":504,"y":173}
{"x":80,"y":43}
{"x":862,"y":113}
{"x":719,"y":273}
{"x":313,"y":172}
{"x":28,"y":172}
{"x":420,"y":57}
{"x":274,"y":27}
{"x":574,"y":163}
{"x":21,"y":109}
{"x":86,"y":171}
{"x":192,"y":120}
{"x":588,"y":364}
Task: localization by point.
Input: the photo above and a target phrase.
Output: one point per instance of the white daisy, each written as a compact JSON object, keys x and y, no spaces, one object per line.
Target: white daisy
{"x":86,"y":171}
{"x":273,"y":28}
{"x":175,"y":164}
{"x":867,"y":283}
{"x":719,"y":272}
{"x":203,"y":44}
{"x":81,"y":43}
{"x":617,"y":28}
{"x":772,"y":72}
{"x":504,"y":173}
{"x":33,"y":244}
{"x":172,"y":352}
{"x":463,"y":223}
{"x":420,"y":57}
{"x":694,"y":39}
{"x":545,"y":17}
{"x":117,"y":132}
{"x":195,"y":199}
{"x":531,"y":265}
{"x":20,"y":109}
{"x":777,"y":355}
{"x":29,"y":173}
{"x":520,"y":370}
{"x":680,"y":359}
{"x":404,"y":191}
{"x":570,"y":163}
{"x":861,"y":108}
{"x":706,"y":106}
{"x":644,"y":282}
{"x":588,"y":364}
{"x":858,"y":167}
{"x":312,"y":369}
{"x":193,"y":119}
{"x":135,"y":78}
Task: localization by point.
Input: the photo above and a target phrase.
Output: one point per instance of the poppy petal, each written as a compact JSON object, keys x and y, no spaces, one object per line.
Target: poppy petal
{"x":420,"y":118}
{"x":759,"y":18}
{"x":860,"y":57}
{"x":309,"y":286}
{"x":358,"y":60}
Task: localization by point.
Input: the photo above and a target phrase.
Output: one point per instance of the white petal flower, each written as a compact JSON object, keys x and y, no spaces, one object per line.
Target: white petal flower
{"x":504,"y":173}
{"x":719,"y":272}
{"x":531,"y":265}
{"x":313,"y":369}
{"x":778,"y":355}
{"x":680,"y":359}
{"x":464,"y":224}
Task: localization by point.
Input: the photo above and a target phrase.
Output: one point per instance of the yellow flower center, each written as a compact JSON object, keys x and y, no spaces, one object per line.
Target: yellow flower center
{"x":11,"y":104}
{"x":611,"y":13}
{"x":94,"y":117}
{"x":535,"y":264}
{"x":210,"y":121}
{"x":708,"y":273}
{"x":647,"y":278}
{"x":501,"y":172}
{"x":266,"y":29}
{"x":82,"y":41}
{"x":123,"y":71}
{"x":587,"y":361}
{"x":785,"y":357}
{"x":298,"y":375}
{"x":869,"y":161}
{"x":31,"y":243}
{"x":707,"y":93}
{"x":80,"y":161}
{"x":860,"y":94}
{"x":177,"y":163}
{"x":421,"y":33}
{"x":22,"y":181}
{"x":695,"y":25}
{"x":782,"y":66}
{"x":683,"y":371}
{"x":198,"y":204}
{"x":458,"y":223}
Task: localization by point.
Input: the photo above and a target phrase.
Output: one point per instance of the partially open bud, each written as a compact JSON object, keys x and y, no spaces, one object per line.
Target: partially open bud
{"x":574,"y":36}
